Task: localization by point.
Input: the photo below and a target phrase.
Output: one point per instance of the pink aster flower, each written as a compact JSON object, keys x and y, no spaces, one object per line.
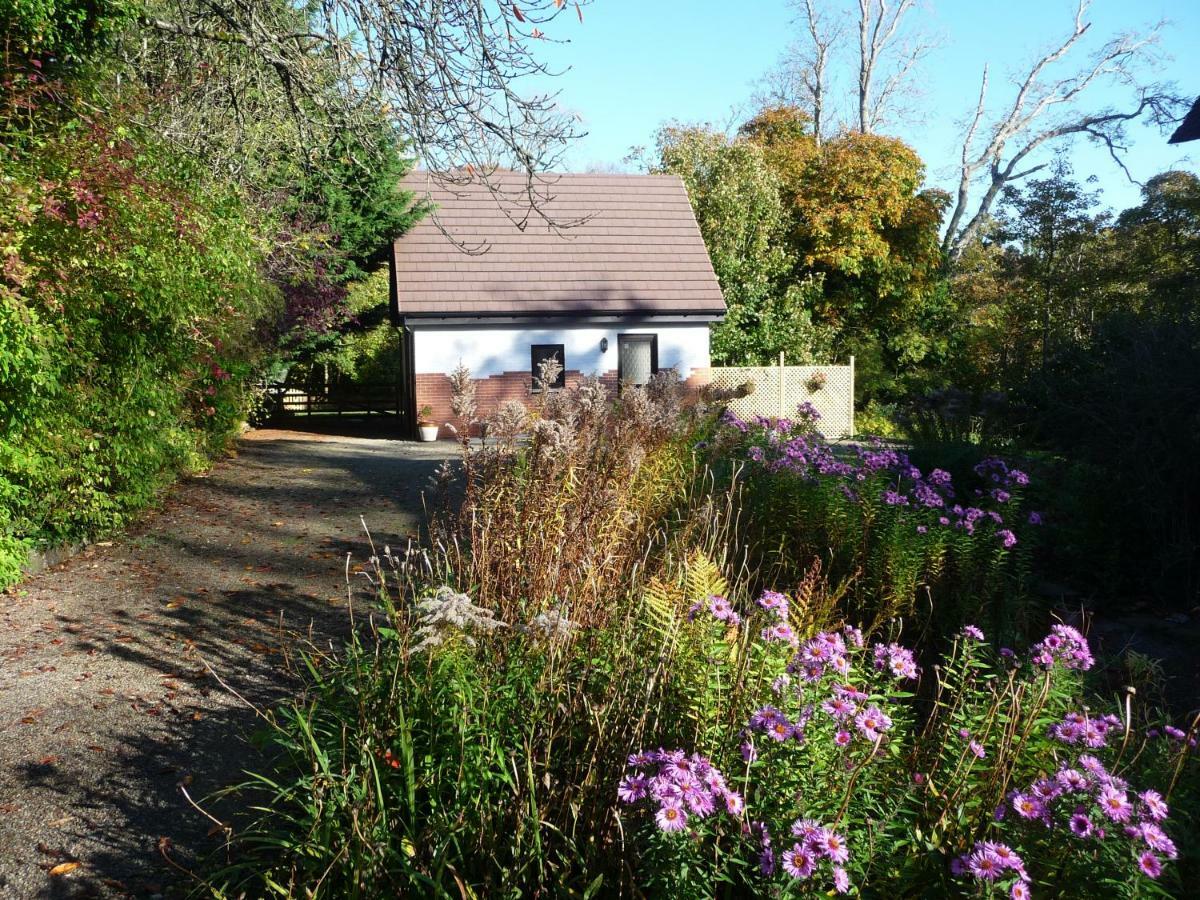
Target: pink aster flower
{"x":671,"y":817}
{"x":839,"y":707}
{"x":832,"y":845}
{"x":1019,"y":890}
{"x":977,"y":748}
{"x":842,"y":738}
{"x":1156,"y":807}
{"x":841,"y":880}
{"x":1114,"y":803}
{"x":872,"y":722}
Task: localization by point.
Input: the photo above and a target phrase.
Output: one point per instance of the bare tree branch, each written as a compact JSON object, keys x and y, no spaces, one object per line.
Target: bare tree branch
{"x":878,"y":38}
{"x":997,"y":165}
{"x":448,"y":75}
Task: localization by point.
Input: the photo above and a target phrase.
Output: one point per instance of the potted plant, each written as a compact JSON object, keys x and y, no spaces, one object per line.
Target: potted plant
{"x":427,"y":428}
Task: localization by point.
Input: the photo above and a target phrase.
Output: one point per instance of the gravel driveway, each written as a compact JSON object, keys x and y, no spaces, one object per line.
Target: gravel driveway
{"x":106,"y":707}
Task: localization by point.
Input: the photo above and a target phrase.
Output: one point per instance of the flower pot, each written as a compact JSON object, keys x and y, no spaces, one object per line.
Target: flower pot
{"x":428,"y":432}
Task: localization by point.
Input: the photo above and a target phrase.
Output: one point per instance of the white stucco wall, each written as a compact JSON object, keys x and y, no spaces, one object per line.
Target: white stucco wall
{"x":493,"y":350}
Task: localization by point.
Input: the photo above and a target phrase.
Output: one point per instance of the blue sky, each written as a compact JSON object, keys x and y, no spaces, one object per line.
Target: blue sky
{"x":636,"y":64}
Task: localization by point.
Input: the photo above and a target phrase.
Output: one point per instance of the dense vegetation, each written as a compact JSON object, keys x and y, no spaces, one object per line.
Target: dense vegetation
{"x":659,"y":652}
{"x":1061,"y":332}
{"x":146,"y":287}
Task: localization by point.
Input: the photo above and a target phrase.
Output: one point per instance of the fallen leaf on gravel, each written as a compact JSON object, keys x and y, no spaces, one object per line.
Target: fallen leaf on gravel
{"x":49,"y":760}
{"x":276,"y":524}
{"x":176,"y":602}
{"x":64,"y":868}
{"x":95,"y":748}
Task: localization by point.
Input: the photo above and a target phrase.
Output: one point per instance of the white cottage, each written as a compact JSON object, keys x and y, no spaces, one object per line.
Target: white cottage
{"x":625,"y":290}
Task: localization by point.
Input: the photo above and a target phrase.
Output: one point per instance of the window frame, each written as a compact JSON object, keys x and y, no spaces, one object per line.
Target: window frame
{"x":650,"y":338}
{"x":561,"y":351}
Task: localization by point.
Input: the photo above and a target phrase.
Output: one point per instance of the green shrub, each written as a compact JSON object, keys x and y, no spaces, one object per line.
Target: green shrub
{"x":129,"y":301}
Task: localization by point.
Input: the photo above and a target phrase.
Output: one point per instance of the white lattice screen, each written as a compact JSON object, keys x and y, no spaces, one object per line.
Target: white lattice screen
{"x":778,"y":390}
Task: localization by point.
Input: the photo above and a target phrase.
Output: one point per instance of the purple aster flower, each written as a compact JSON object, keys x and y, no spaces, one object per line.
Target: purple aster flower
{"x":842,"y":738}
{"x":766,"y":862}
{"x":806,"y":829}
{"x":671,"y":817}
{"x":921,"y":529}
{"x":719,"y":607}
{"x":1150,"y":865}
{"x":972,"y":631}
{"x":633,"y":788}
{"x":1007,"y":855}
{"x":894,"y":498}
{"x":1009,"y":539}
{"x":942,"y":520}
{"x":1174,"y":733}
{"x":1019,"y":890}
{"x":781,"y":731}
{"x":984,"y":865}
{"x":1071,"y":779}
{"x":1156,"y":839}
{"x":799,"y":862}
{"x":764,"y":718}
{"x":1000,"y":495}
{"x":1035,"y":518}
{"x":1081,"y":825}
{"x":1027,"y":807}
{"x":977,"y":748}
{"x":780,"y":632}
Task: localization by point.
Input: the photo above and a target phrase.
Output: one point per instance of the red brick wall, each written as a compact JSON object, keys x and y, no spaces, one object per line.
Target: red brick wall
{"x":434,"y":390}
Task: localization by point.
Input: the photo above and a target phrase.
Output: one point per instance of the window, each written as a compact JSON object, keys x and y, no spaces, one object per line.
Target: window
{"x":637,"y":358}
{"x":539,"y":353}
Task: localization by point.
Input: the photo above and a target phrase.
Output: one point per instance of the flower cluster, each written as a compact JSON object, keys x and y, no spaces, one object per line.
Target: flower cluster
{"x":1078,"y":728}
{"x":814,"y":847}
{"x":990,"y":861}
{"x":719,"y":607}
{"x":793,"y":446}
{"x":1092,"y":804}
{"x":897,"y":660}
{"x":447,"y":614}
{"x":1064,"y":646}
{"x":681,"y":786}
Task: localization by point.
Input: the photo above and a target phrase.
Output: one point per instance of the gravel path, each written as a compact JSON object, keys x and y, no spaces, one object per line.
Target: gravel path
{"x":105,"y":705}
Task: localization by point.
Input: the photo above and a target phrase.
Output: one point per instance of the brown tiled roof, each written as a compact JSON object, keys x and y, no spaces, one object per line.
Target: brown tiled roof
{"x":637,"y":249}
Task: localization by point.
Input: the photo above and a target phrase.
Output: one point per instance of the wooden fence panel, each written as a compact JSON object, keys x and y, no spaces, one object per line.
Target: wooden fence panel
{"x":778,"y":390}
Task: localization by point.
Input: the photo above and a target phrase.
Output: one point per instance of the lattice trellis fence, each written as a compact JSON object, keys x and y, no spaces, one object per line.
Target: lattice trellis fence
{"x":778,"y":390}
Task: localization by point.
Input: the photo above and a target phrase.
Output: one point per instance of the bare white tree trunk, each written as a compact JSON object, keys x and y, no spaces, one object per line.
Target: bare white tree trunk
{"x":878,"y":38}
{"x":1028,"y":124}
